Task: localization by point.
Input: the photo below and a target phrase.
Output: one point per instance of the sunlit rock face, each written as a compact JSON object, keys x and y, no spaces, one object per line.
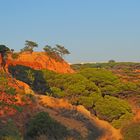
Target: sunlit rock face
{"x":40,"y":60}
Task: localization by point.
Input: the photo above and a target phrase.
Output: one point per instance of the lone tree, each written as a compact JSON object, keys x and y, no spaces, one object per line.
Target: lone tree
{"x":29,"y":46}
{"x":12,"y":50}
{"x":111,"y":61}
{"x":4,"y":51}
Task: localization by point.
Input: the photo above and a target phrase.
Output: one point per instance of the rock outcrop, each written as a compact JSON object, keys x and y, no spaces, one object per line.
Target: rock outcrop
{"x":40,"y":60}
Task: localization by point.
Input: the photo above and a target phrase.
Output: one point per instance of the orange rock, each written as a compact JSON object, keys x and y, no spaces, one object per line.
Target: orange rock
{"x":40,"y":60}
{"x":137,"y":71}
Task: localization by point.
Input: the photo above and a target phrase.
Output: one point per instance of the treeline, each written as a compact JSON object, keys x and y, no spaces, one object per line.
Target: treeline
{"x":108,"y":65}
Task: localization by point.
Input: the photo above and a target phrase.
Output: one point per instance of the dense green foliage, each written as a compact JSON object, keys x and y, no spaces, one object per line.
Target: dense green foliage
{"x":96,"y":89}
{"x":111,"y":108}
{"x":30,"y":76}
{"x":108,"y":82}
{"x":104,"y":79}
{"x":71,"y":86}
{"x":43,"y":124}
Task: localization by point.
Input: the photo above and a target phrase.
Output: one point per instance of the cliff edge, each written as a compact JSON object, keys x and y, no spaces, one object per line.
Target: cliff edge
{"x":40,"y":60}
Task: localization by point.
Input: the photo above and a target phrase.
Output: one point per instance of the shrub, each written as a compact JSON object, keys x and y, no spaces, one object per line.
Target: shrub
{"x":43,"y":124}
{"x":57,"y":92}
{"x":111,"y":108}
{"x":9,"y":131}
{"x":30,"y":76}
{"x":104,"y":79}
{"x":70,"y":86}
{"x":15,"y":55}
{"x":131,"y":131}
{"x":123,"y":120}
{"x":89,"y":101}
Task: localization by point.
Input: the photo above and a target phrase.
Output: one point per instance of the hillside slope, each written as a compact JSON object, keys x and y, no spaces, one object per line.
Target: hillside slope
{"x":40,"y":60}
{"x":78,"y":119}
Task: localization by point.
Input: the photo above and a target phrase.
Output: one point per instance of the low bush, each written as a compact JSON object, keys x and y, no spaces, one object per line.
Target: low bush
{"x":15,"y":55}
{"x":113,"y":109}
{"x":42,"y":124}
{"x":30,"y":76}
{"x":104,"y":79}
{"x":131,"y":131}
{"x":9,"y":131}
{"x":70,"y":86}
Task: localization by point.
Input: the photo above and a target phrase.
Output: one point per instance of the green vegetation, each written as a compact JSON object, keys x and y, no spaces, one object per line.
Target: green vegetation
{"x":57,"y":92}
{"x":111,"y":61}
{"x":103,"y":88}
{"x":61,"y":50}
{"x":112,"y":109}
{"x":57,"y":52}
{"x":8,"y":96}
{"x":29,"y":46}
{"x":9,"y":131}
{"x":114,"y":65}
{"x":132,"y":131}
{"x":123,"y":120}
{"x":70,"y":86}
{"x":30,"y":76}
{"x":43,"y":124}
{"x":104,"y":79}
{"x":98,"y":87}
{"x":89,"y":101}
{"x":15,"y":55}
{"x":108,"y":83}
{"x":4,"y":51}
{"x":52,"y":53}
{"x":94,"y":88}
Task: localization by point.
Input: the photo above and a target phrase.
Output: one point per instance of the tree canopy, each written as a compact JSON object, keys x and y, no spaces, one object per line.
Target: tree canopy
{"x":56,"y":52}
{"x":29,"y":46}
{"x":61,"y":50}
{"x":3,"y":49}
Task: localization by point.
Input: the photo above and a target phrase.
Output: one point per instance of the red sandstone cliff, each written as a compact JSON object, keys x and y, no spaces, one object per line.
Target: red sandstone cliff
{"x":40,"y":60}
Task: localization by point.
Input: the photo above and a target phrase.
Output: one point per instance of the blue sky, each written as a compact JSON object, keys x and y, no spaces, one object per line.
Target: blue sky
{"x":93,"y":30}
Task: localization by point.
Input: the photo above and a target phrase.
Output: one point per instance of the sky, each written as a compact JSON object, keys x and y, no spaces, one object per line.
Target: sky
{"x":92,"y":30}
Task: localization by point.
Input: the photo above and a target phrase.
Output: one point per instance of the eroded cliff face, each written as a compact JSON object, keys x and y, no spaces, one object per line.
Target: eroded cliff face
{"x":40,"y":60}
